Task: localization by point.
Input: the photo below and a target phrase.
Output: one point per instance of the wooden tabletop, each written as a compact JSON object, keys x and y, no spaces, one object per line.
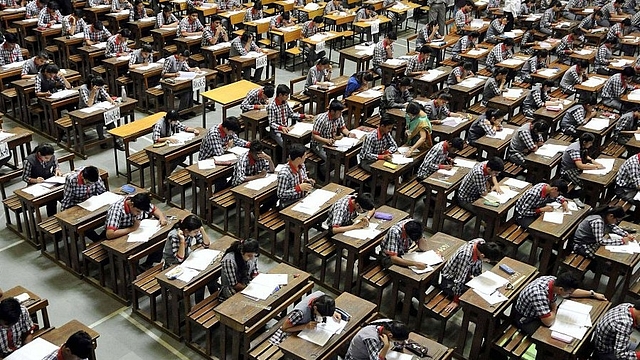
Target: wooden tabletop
{"x":559,"y":231}
{"x":243,"y":191}
{"x":230,"y":93}
{"x":17,"y":290}
{"x":620,"y":258}
{"x":79,"y":114}
{"x":138,"y":127}
{"x":501,"y":101}
{"x":352,"y":52}
{"x":545,"y":160}
{"x":208,"y":173}
{"x":163,"y":151}
{"x":383,"y":226}
{"x":608,"y":178}
{"x":378,"y":165}
{"x":464,"y":89}
{"x":593,"y":88}
{"x":495,"y":143}
{"x":551,"y":115}
{"x":439,"y":181}
{"x":601,"y":132}
{"x":367,"y":24}
{"x":502,"y":208}
{"x":338,"y":190}
{"x":58,"y":336}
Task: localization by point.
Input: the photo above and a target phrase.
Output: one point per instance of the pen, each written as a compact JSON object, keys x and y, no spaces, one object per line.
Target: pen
{"x":494,"y":291}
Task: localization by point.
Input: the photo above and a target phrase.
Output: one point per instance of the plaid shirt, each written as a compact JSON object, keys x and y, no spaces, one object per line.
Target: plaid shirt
{"x":574,"y":117}
{"x":209,"y":34}
{"x":615,"y":87}
{"x":566,"y":45}
{"x":51,"y":85}
{"x":93,"y":3}
{"x":547,"y":19}
{"x":11,"y":337}
{"x":396,"y":242}
{"x":326,"y":127}
{"x":44,"y":18}
{"x":251,"y":15}
{"x":629,"y":173}
{"x":172,"y":65}
{"x":116,"y":5}
{"x":81,"y":25}
{"x":609,"y":10}
{"x":367,"y":343}
{"x":314,"y":76}
{"x":588,"y":23}
{"x":29,"y":67}
{"x":380,"y":53}
{"x":135,"y":15}
{"x":137,"y":58}
{"x":375,"y":145}
{"x":116,"y":46}
{"x":161,"y":131}
{"x":590,"y":234}
{"x":33,"y":165}
{"x":463,"y":44}
{"x":229,"y":276}
{"x":462,"y":19}
{"x":342,"y":212}
{"x":309,"y":29}
{"x":626,"y":122}
{"x":570,"y":79}
{"x":474,"y":183}
{"x":434,"y":159}
{"x":527,"y":37}
{"x":9,"y":55}
{"x":463,"y":265}
{"x":615,"y":31}
{"x":532,"y":200}
{"x":536,"y":98}
{"x":436,"y":112}
{"x":247,"y":166}
{"x":215,"y":143}
{"x":161,"y":20}
{"x":612,"y":332}
{"x":416,"y":63}
{"x":491,"y":90}
{"x":331,"y":7}
{"x":498,"y":54}
{"x":76,"y":191}
{"x":523,"y":139}
{"x":362,"y":15}
{"x":83,"y":101}
{"x":187,"y":25}
{"x":173,"y":240}
{"x":238,"y":48}
{"x":635,"y":20}
{"x":394,"y":98}
{"x":496,"y":28}
{"x":457,"y":71}
{"x":253,"y":100}
{"x":531,"y":66}
{"x":119,"y":215}
{"x":228,"y":4}
{"x":289,"y":180}
{"x":96,"y":36}
{"x":603,"y":57}
{"x":536,"y":298}
{"x":279,"y":114}
{"x":32,"y":9}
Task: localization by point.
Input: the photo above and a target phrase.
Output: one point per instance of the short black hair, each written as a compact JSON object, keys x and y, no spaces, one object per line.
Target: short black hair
{"x":386,"y":120}
{"x":399,"y":330}
{"x":405,"y":81}
{"x":491,"y":251}
{"x":612,"y":41}
{"x":584,"y":64}
{"x":80,"y":344}
{"x":365,"y":201}
{"x":540,"y":126}
{"x":425,"y":49}
{"x":509,"y":42}
{"x":10,"y":38}
{"x":167,"y":8}
{"x":474,"y":34}
{"x":542,"y":53}
{"x":91,"y":173}
{"x":628,"y":71}
{"x":282,"y":89}
{"x":191,"y":10}
{"x":445,"y":96}
{"x":52,"y":5}
{"x":495,"y":164}
{"x":567,"y":280}
{"x":597,"y":13}
{"x":324,"y":61}
{"x":413,"y":229}
{"x":172,"y":114}
{"x":125,"y":33}
{"x":500,"y":71}
{"x":457,"y":143}
{"x":45,"y":149}
{"x":392,"y":35}
{"x":98,"y":25}
{"x":467,"y":65}
{"x":146,"y":48}
{"x":296,"y":151}
{"x":256,"y":146}
{"x":43,"y":55}
{"x":587,"y":137}
{"x":336,"y":105}
{"x":231,"y":123}
{"x":10,"y":311}
{"x":626,"y":22}
{"x":318,"y":19}
{"x":413,"y":108}
{"x":141,"y":201}
{"x":325,"y":305}
{"x":269,"y":90}
{"x":562,"y":186}
{"x":215,"y":18}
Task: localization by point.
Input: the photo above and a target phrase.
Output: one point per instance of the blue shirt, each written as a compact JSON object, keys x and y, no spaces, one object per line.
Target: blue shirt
{"x":352,"y":85}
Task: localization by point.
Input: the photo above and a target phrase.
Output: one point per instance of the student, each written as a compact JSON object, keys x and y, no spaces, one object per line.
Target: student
{"x":610,"y":9}
{"x":141,"y":57}
{"x":138,"y":11}
{"x":611,"y":337}
{"x":309,"y":29}
{"x":464,"y":44}
{"x":537,"y":62}
{"x":257,"y":99}
{"x":397,"y":95}
{"x":428,"y":34}
{"x":81,"y":185}
{"x":567,"y":44}
{"x":463,"y":17}
{"x":281,"y":20}
{"x":228,"y":5}
{"x":347,"y":209}
{"x":628,"y":180}
{"x":597,"y":229}
{"x":627,"y":125}
{"x":589,"y":23}
{"x":464,"y":265}
{"x":16,"y":326}
{"x":33,"y":8}
{"x":374,"y":341}
{"x":13,"y":4}
{"x":117,"y":5}
{"x":460,"y":73}
{"x":528,"y":40}
{"x":49,"y":80}
{"x":383,"y":51}
{"x":325,"y":129}
{"x":31,"y":67}
{"x":438,"y":110}
{"x":574,"y":4}
{"x":169,"y":125}
{"x":123,"y":217}
{"x":166,"y":19}
{"x":418,"y":64}
{"x":616,"y":86}
{"x":254,"y":13}
{"x":74,"y":23}
{"x":92,"y":92}
{"x":293,"y":182}
{"x":527,"y":139}
{"x":537,"y":305}
{"x":239,"y":267}
{"x":254,"y":164}
{"x":171,"y":68}
{"x":479,"y":181}
{"x":96,"y":33}
{"x":438,"y":157}
{"x":486,"y":124}
{"x":499,"y":53}
{"x":491,"y":87}
{"x":535,"y":200}
{"x":618,"y":31}
{"x":604,"y":56}
{"x":576,"y":158}
{"x":221,"y":138}
{"x":215,"y":33}
{"x":574,"y":76}
{"x":10,"y":50}
{"x":190,"y":25}
{"x":548,"y":20}
{"x":378,"y":145}
{"x":333,"y":7}
{"x":186,"y":236}
{"x":79,"y":346}
{"x":94,"y":3}
{"x":399,"y":239}
{"x":576,"y":116}
{"x":40,"y":165}
{"x":307,"y":314}
{"x":241,"y":46}
{"x":321,"y":72}
{"x":49,"y":15}
{"x":279,"y":112}
{"x":358,"y":82}
{"x":418,"y":128}
{"x":366,"y":13}
{"x":117,"y":44}
{"x":496,"y":30}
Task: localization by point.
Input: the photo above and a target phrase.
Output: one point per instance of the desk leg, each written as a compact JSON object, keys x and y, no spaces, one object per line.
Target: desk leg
{"x":614,"y":274}
{"x":348,"y":281}
{"x":341,"y":64}
{"x":287,"y":237}
{"x":236,"y":338}
{"x":76,"y":251}
{"x":478,"y":335}
{"x":165,"y":304}
{"x":223,"y":341}
{"x":205,"y":194}
{"x":152,"y":171}
{"x":546,"y":248}
{"x":160,"y":178}
{"x":194,"y":196}
{"x":394,"y":296}
{"x":175,"y":313}
{"x":297,"y":244}
{"x":124,"y":281}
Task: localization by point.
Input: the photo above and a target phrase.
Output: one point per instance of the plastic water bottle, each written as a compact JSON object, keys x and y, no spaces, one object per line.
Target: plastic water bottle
{"x":123,"y":91}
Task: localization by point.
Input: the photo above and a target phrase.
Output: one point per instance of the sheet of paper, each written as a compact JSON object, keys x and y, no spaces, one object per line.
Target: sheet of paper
{"x":608,"y":166}
{"x":36,"y":190}
{"x":637,"y":136}
{"x":274,"y":280}
{"x":465,"y":163}
{"x":300,"y":128}
{"x":259,"y":184}
{"x":471,"y":82}
{"x":100,"y":45}
{"x":394,"y":355}
{"x":207,"y":164}
{"x":502,"y":134}
{"x":583,"y":52}
{"x":186,"y":75}
{"x":492,"y":299}
{"x":63,"y":94}
{"x":395,"y":62}
{"x":550,"y":150}
{"x":238,"y":150}
{"x":426,"y":257}
{"x":637,"y":196}
{"x":421,"y":271}
{"x":148,"y":228}
{"x":5,"y":135}
{"x":103,"y":105}
{"x":487,"y":282}
{"x":630,"y":248}
{"x":572,"y":320}
{"x":225,"y":158}
{"x":448,"y":172}
{"x":323,"y":332}
{"x":431,"y":75}
{"x":597,"y":124}
{"x":56,"y":180}
{"x":507,"y":194}
{"x":516,"y":183}
{"x":370,"y":93}
{"x":279,"y":167}
{"x":555,"y":217}
{"x":475,"y":52}
{"x":187,"y":274}
{"x":363,"y":234}
{"x":346,"y":142}
{"x":200,"y":259}
{"x":258,"y":291}
{"x":513,"y":62}
{"x":96,"y":202}
{"x":547,"y":72}
{"x":401,"y":159}
{"x":593,"y":82}
{"x":37,"y":349}
{"x":453,"y":121}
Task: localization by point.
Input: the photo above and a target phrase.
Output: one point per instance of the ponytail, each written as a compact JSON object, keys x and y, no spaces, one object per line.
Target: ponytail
{"x":240,"y":247}
{"x":189,"y":223}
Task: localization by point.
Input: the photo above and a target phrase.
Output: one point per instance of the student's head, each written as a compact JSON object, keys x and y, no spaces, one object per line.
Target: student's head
{"x":588,"y":102}
{"x":404,"y":83}
{"x":78,"y":346}
{"x":586,"y":140}
{"x":557,"y":5}
{"x":216,"y":21}
{"x":390,"y":37}
{"x":413,"y":109}
{"x":324,"y":63}
{"x":318,"y":20}
{"x":10,"y":39}
{"x":364,"y":203}
{"x":413,"y":229}
{"x":190,"y":225}
{"x":139,"y":203}
{"x":386,"y":124}
{"x":509,"y":43}
{"x":494,"y":116}
{"x":467,"y":66}
{"x":286,"y":16}
{"x":335,"y":109}
{"x":268,"y":91}
{"x":490,"y":252}
{"x":41,"y":59}
{"x":52,"y":7}
{"x":547,"y":85}
{"x":44,"y":151}
{"x":424,"y":51}
{"x":443,"y":99}
{"x":9,"y":312}
{"x":583,"y":65}
{"x":495,"y":165}
{"x":474,"y":35}
{"x":370,"y":9}
{"x":282,"y":92}
{"x":457,"y":143}
{"x":97,"y":25}
{"x":610,"y":42}
{"x":612,"y":215}
{"x":565,"y":284}
{"x":172,"y":117}
{"x":139,"y":5}
{"x":557,"y":187}
{"x":146,"y":50}
{"x":323,"y":306}
{"x":597,"y":15}
{"x":166,"y":10}
{"x":433,"y":25}
{"x":395,"y":330}
{"x":336,"y":2}
{"x":90,"y":174}
{"x":618,"y":3}
{"x":500,"y":73}
{"x":231,"y":125}
{"x":244,"y":251}
{"x":184,"y":55}
{"x":78,"y":13}
{"x":256,"y":148}
{"x":94,"y":80}
{"x":297,"y":154}
{"x":257,"y":6}
{"x":542,"y":55}
{"x":540,"y":127}
{"x":363,"y":77}
{"x":468,"y":6}
{"x":192,"y":13}
{"x":124,"y":34}
{"x":628,"y":72}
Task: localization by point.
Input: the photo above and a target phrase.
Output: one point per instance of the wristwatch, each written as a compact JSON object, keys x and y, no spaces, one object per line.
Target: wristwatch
{"x":592,"y":293}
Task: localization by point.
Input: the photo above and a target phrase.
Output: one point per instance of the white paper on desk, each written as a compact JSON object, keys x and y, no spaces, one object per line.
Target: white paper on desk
{"x":394,"y":62}
{"x":555,"y":217}
{"x":289,"y":28}
{"x":572,"y":319}
{"x":36,"y":190}
{"x":238,"y":150}
{"x":32,"y":20}
{"x":149,"y":67}
{"x":63,"y":94}
{"x":252,"y":55}
{"x":186,"y":75}
{"x":279,"y":167}
{"x":200,"y":259}
{"x":507,"y":194}
{"x":193,"y":37}
{"x":550,"y":150}
{"x":183,"y":136}
{"x":370,"y":93}
{"x":124,"y":58}
{"x":207,"y":164}
{"x":258,"y":291}
{"x":584,"y":51}
{"x":630,"y":248}
{"x":425,"y":257}
{"x":487,"y":282}
{"x":465,"y":163}
{"x":96,"y":202}
{"x":187,"y":274}
{"x":363,"y":234}
{"x":123,"y":12}
{"x":13,"y":65}
{"x":547,"y":72}
{"x":404,"y":149}
{"x":512,"y":94}
{"x":148,"y":227}
{"x":634,"y":95}
{"x":16,"y":10}
{"x":319,"y":37}
{"x":431,"y":75}
{"x":620,"y":62}
{"x":100,"y":45}
{"x":519,"y":184}
{"x":79,"y":35}
{"x":56,"y":26}
{"x":37,"y":349}
{"x":597,"y":124}
{"x":594,"y":81}
{"x":103,"y":105}
{"x":148,"y":19}
{"x":323,"y":332}
{"x":5,"y":135}
{"x":225,"y":158}
{"x":502,"y":134}
{"x":475,"y":52}
{"x":56,"y":180}
{"x":419,"y":271}
{"x":448,"y":172}
{"x":219,"y":46}
{"x":608,"y":166}
{"x":259,"y":184}
{"x":572,"y":206}
{"x":394,"y":355}
{"x":105,"y":6}
{"x":300,"y":128}
{"x":359,"y":133}
{"x":471,"y":82}
{"x":311,"y":6}
{"x":453,"y":121}
{"x":493,"y":298}
{"x":346,"y":142}
{"x":401,"y":159}
{"x":512,"y":62}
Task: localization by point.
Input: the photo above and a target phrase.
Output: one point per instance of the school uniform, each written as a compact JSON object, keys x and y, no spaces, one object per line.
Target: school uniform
{"x":434,"y":160}
{"x":479,"y":128}
{"x":534,"y":101}
{"x":573,"y":118}
{"x":327,"y":128}
{"x":76,"y":190}
{"x":463,"y":265}
{"x":590,"y":234}
{"x":247,"y":166}
{"x":611,"y":336}
{"x":626,"y":122}
{"x":11,"y":336}
{"x":215,"y":142}
{"x":230,"y":276}
{"x":374,"y":147}
{"x":628,"y":179}
{"x":35,"y":167}
{"x":301,"y":314}
{"x":528,"y":205}
{"x":289,"y":180}
{"x":365,"y":345}
{"x":279,"y":113}
{"x":473,"y":185}
{"x":523,"y":141}
{"x":568,"y":168}
{"x":534,"y":303}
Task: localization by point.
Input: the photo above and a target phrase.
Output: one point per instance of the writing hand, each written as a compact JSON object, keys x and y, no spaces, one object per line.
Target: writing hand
{"x":305,"y":187}
{"x":39,"y":180}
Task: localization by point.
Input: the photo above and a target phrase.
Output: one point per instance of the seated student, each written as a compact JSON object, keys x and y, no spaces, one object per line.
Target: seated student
{"x":31,"y":67}
{"x":293,"y":182}
{"x":383,"y":51}
{"x":528,"y":40}
{"x":49,"y":15}
{"x":79,"y":346}
{"x":254,"y":164}
{"x":396,"y":95}
{"x":438,"y":157}
{"x":616,"y":86}
{"x":597,"y":229}
{"x":74,"y":23}
{"x":215,"y":33}
{"x":346,"y":210}
{"x":604,"y":56}
{"x":437,"y":109}
{"x":221,"y":138}
{"x":141,"y":57}
{"x":92,"y":92}
{"x":535,"y":200}
{"x":619,"y":30}
{"x":325,"y":129}
{"x":418,"y":129}
{"x":10,"y":50}
{"x":309,"y":29}
{"x":611,"y":336}
{"x":418,"y":64}
{"x":574,"y":76}
{"x":14,"y":4}
{"x":378,"y":145}
{"x":635,"y":22}
{"x":168,"y":126}
{"x":574,"y":4}
{"x":366,"y":12}
{"x":576,"y":158}
{"x":190,"y":25}
{"x":123,"y":217}
{"x":16,"y":326}
{"x":548,"y":20}
{"x":537,"y":305}
{"x":398,"y":240}
{"x":257,"y":99}
{"x":93,"y":3}
{"x":96,"y":33}
{"x":239,"y":267}
{"x":171,"y":68}
{"x":166,"y":19}
{"x":334,"y":7}
{"x":117,"y":5}
{"x":40,"y":165}
{"x":612,"y":8}
{"x":254,"y":13}
{"x":241,"y":46}
{"x":310,"y":311}
{"x":567,"y":44}
{"x":486,"y":124}
{"x":138,"y":11}
{"x":279,"y":112}
{"x":463,"y":17}
{"x":49,"y":80}
{"x":464,"y":44}
{"x":81,"y":185}
{"x":229,"y":5}
{"x":589,"y":23}
{"x":536,"y":62}
{"x":499,"y":53}
{"x":627,"y":125}
{"x":358,"y":82}
{"x":576,"y":116}
{"x":426,"y":35}
{"x":279,"y":21}
{"x":187,"y":235}
{"x":460,"y":73}
{"x":496,"y":30}
{"x":494,"y":85}
{"x":375,"y":340}
{"x":479,"y":181}
{"x":32,"y":9}
{"x":464,"y":265}
{"x":628,"y":180}
{"x":527,"y":139}
{"x":320,"y":72}
{"x":117,"y":44}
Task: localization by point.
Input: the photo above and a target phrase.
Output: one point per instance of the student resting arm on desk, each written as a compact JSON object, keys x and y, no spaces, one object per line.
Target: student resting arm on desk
{"x":310,"y":311}
{"x":124,"y":216}
{"x":239,"y":267}
{"x":596,"y":230}
{"x":254,"y":164}
{"x":190,"y":25}
{"x":375,"y":340}
{"x":293,"y":182}
{"x":49,"y":80}
{"x":16,"y":326}
{"x":344,"y":213}
{"x":30,"y":67}
{"x":77,"y":347}
{"x":166,"y":19}
{"x":399,"y":239}
{"x":169,"y":125}
{"x":611,"y":337}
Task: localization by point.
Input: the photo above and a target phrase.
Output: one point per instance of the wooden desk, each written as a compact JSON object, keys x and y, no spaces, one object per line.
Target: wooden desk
{"x":163,"y":36}
{"x":364,"y":27}
{"x":9,"y":74}
{"x":248,"y":201}
{"x":360,"y":310}
{"x":359,"y":250}
{"x":462,"y":95}
{"x":561,"y":31}
{"x":559,"y":68}
{"x":383,"y":176}
{"x":336,"y":157}
{"x":390,"y":72}
{"x":142,"y":28}
{"x":509,"y":105}
{"x":601,"y":136}
{"x":443,"y":186}
{"x":357,"y":105}
{"x":214,"y":54}
{"x":115,"y":67}
{"x":322,"y":97}
{"x":599,"y":188}
{"x":20,"y":141}
{"x":239,"y":63}
{"x":553,"y":117}
{"x":8,"y":16}
{"x":43,"y":35}
{"x":351,"y":54}
{"x":59,"y":335}
{"x":31,"y":207}
{"x":53,"y":109}
{"x":202,"y":188}
{"x":25,"y":28}
{"x":335,"y":21}
{"x":592,"y":89}
{"x":494,"y":146}
{"x":425,"y":88}
{"x":487,"y":317}
{"x":446,"y":132}
{"x":542,"y":168}
{"x":228,"y":96}
{"x":437,"y":351}
{"x":144,"y":78}
{"x":67,"y":47}
{"x":243,"y":318}
{"x":290,"y":139}
{"x":90,"y":55}
{"x":407,"y":281}
{"x":255,"y":124}
{"x":633,"y":145}
{"x":177,"y":87}
{"x":34,"y":305}
{"x":97,"y":12}
{"x":116,"y":19}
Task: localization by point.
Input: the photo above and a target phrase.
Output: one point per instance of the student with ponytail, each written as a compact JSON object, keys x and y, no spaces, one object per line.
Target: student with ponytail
{"x":597,"y":229}
{"x":374,"y":340}
{"x":239,"y":266}
{"x":310,"y":311}
{"x":487,"y":124}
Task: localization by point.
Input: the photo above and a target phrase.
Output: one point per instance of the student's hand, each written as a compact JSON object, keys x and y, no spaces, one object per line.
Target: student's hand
{"x":547,"y":208}
{"x":364,"y":223}
{"x":452,"y":306}
{"x":305,"y":187}
{"x":310,"y":181}
{"x":173,"y":140}
{"x":262,"y":173}
{"x":285,"y":129}
{"x":229,"y":144}
{"x":264,"y":156}
{"x":196,"y":132}
{"x":163,"y":221}
{"x":447,"y":167}
{"x":625,"y":240}
{"x":599,"y":296}
{"x":385,"y":340}
{"x":436,"y":122}
{"x":331,"y":141}
{"x":181,"y":236}
{"x":136,"y":225}
{"x":336,"y":316}
{"x":598,"y":165}
{"x":388,"y":157}
{"x":58,"y":172}
{"x":419,"y":265}
{"x":497,"y":189}
{"x":308,"y":117}
{"x":311,"y":325}
{"x":353,"y":136}
{"x":39,"y":180}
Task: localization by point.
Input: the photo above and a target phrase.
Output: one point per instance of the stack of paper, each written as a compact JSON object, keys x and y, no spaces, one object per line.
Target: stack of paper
{"x":187,"y":274}
{"x":621,"y":62}
{"x":183,"y":137}
{"x":200,"y":259}
{"x":462,"y":162}
{"x":225,"y":158}
{"x":519,"y":184}
{"x":37,"y":349}
{"x":346,"y":143}
{"x":149,"y":67}
{"x":630,"y":248}
{"x":513,"y":62}
{"x":370,"y":93}
{"x":507,"y":194}
{"x":321,"y":334}
{"x":394,"y":355}
{"x":100,"y":45}
{"x":96,"y":202}
{"x":401,"y":159}
{"x":219,"y":46}
{"x":301,"y":128}
{"x":16,"y":9}
{"x":431,"y":75}
{"x":259,"y":184}
{"x":359,"y":133}
{"x":185,"y":75}
{"x":487,"y":282}
{"x":363,"y":234}
{"x":608,"y":166}
{"x":502,"y":134}
{"x":471,"y":82}
{"x":547,"y":72}
{"x":103,"y":105}
{"x":513,"y":93}
{"x":148,"y":228}
{"x":597,"y":124}
{"x":394,"y":62}
{"x":252,"y":54}
{"x":319,"y":37}
{"x":311,"y":6}
{"x":426,"y":257}
{"x":264,"y":285}
{"x":14,"y":65}
{"x":63,"y":94}
{"x":36,"y":190}
{"x":583,"y":51}
{"x":55,"y":180}
{"x":550,"y":150}
{"x":572,"y":319}
{"x":475,"y":52}
{"x":448,"y":172}
{"x":453,"y":121}
{"x":594,"y":81}
{"x":556,"y":217}
{"x":634,"y":95}
{"x":207,"y":164}
{"x":313,"y":202}
{"x":239,"y":151}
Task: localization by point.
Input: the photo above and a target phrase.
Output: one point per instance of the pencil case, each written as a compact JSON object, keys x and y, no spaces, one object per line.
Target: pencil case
{"x":128,"y":189}
{"x":390,"y":165}
{"x":382,"y":215}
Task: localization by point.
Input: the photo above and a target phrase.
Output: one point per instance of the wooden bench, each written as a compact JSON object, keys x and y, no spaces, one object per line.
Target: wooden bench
{"x":373,"y":121}
{"x":358,"y":176}
{"x":294,"y":53}
{"x":522,"y":84}
{"x":299,"y":96}
{"x":97,"y":255}
{"x":512,"y":170}
{"x":180,"y":179}
{"x":323,"y":248}
{"x":154,"y":96}
{"x":313,"y":161}
{"x":272,"y":223}
{"x":478,"y":108}
{"x":140,"y":161}
{"x":469,"y":152}
{"x":49,"y":229}
{"x":449,"y":62}
{"x":147,"y":285}
{"x":376,"y":277}
{"x":10,"y":101}
{"x":484,"y":72}
{"x":512,"y":343}
{"x":11,"y":203}
{"x":512,"y":238}
{"x":223,"y":200}
{"x":65,"y":125}
{"x":411,"y":191}
{"x":634,"y":286}
{"x":578,"y":264}
{"x":518,"y":119}
{"x":558,"y":94}
{"x":265,"y":350}
{"x":225,"y":70}
{"x":434,"y":306}
{"x":613,"y":149}
{"x":563,"y":137}
{"x":275,"y":151}
{"x":203,"y":316}
{"x":459,"y":217}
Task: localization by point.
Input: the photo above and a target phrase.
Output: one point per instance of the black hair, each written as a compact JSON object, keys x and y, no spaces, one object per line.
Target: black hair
{"x":626,"y":22}
{"x":586,"y":137}
{"x":185,"y":53}
{"x":584,"y":64}
{"x":43,"y":55}
{"x":257,"y":5}
{"x":256,"y":146}
{"x":495,"y":164}
{"x":325,"y":305}
{"x":137,"y":2}
{"x":240,"y":247}
{"x":167,"y":8}
{"x":318,"y":19}
{"x":245,"y":36}
{"x":469,"y":3}
{"x":467,"y":65}
{"x":141,"y":201}
{"x":567,"y":280}
{"x":457,"y":143}
{"x":146,"y":48}
{"x":365,"y":201}
{"x":44,"y":149}
{"x":491,"y":251}
{"x":52,"y":5}
{"x":425,"y":49}
{"x":91,"y":173}
{"x":10,"y":38}
{"x":577,"y":32}
{"x":494,"y":113}
{"x":79,"y":13}
{"x":336,"y":105}
{"x":509,"y":42}
{"x":399,"y":330}
{"x":215,"y":18}
{"x":413,"y":108}
{"x":474,"y":34}
{"x":98,"y":25}
{"x":405,"y":81}
{"x":363,"y":76}
{"x":324,"y":61}
{"x":94,"y":80}
{"x":189,"y":223}
{"x":445,"y":96}
{"x":616,"y":211}
{"x":282,"y":89}
{"x":386,"y":120}
{"x":413,"y":229}
{"x":612,"y":41}
{"x":370,"y":7}
{"x":562,"y":186}
{"x":542,"y":53}
{"x":286,"y":15}
{"x":628,"y":71}
{"x":231,"y":123}
{"x":269,"y":90}
{"x":296,"y":151}
{"x":125,"y":33}
{"x":500,"y":71}
{"x":80,"y":344}
{"x":10,"y":311}
{"x":597,"y":13}
{"x":539,"y":126}
{"x":191,"y":10}
{"x":556,"y":4}
{"x":392,"y":35}
{"x":172,"y":114}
